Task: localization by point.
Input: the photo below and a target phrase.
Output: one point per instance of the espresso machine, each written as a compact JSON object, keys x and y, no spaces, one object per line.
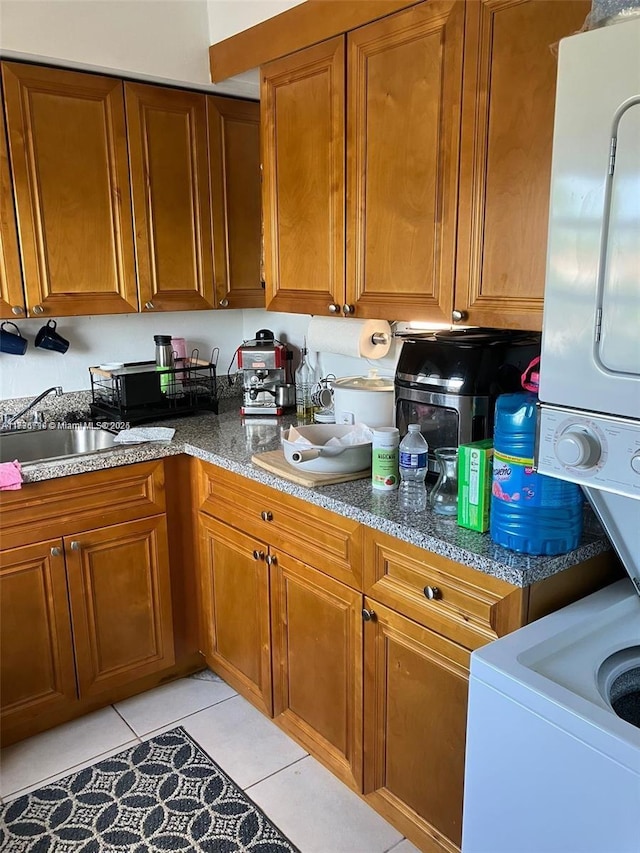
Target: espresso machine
{"x":264,"y":385}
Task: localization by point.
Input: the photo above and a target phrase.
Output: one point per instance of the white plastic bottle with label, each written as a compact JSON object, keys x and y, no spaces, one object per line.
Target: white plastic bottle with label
{"x":384,"y":459}
{"x":413,"y":470}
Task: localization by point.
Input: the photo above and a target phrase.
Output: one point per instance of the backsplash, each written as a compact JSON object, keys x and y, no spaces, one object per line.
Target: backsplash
{"x":129,"y":337}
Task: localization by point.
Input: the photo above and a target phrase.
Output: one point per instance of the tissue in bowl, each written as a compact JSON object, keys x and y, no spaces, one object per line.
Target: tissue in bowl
{"x":319,"y":435}
{"x":321,"y":448}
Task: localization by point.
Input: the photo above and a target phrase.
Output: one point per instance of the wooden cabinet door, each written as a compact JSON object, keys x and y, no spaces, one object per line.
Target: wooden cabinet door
{"x":404,"y":78}
{"x":167,"y":131}
{"x":235,"y":598}
{"x":317,"y":665}
{"x":302,"y":103}
{"x":70,"y":169}
{"x":38,"y":670}
{"x":119,"y":587}
{"x":12,"y":303}
{"x":508,"y":106}
{"x":234,"y":162}
{"x":415,"y":708}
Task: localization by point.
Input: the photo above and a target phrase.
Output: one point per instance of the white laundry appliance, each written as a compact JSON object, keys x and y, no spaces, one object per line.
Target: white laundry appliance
{"x":553,"y":736}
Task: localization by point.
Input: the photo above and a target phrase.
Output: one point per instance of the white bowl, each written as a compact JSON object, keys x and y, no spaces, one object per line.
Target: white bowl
{"x":318,"y":458}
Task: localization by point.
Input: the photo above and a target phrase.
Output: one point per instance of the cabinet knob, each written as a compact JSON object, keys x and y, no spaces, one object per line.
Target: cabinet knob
{"x":432,"y":592}
{"x":149,"y":306}
{"x":266,"y":515}
{"x":458,"y":316}
{"x":348,"y":309}
{"x":272,"y":560}
{"x":334,"y":308}
{"x":75,"y":545}
{"x":368,"y":615}
{"x":17,"y":310}
{"x":56,"y":552}
{"x":38,"y":309}
{"x":258,"y":555}
{"x":224,"y":303}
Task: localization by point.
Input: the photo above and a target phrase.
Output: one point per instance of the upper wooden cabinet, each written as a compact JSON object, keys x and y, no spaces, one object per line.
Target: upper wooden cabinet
{"x":507,"y":133}
{"x":234,"y":154}
{"x":68,"y":149}
{"x":167,"y":133}
{"x":153,"y":207}
{"x":302,"y":103}
{"x":404,"y":81}
{"x":449,"y":124}
{"x":11,"y":292}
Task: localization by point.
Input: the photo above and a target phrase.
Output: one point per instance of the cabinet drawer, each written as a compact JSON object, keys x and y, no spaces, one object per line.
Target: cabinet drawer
{"x":469,"y":606}
{"x":85,"y":501}
{"x":307,"y":532}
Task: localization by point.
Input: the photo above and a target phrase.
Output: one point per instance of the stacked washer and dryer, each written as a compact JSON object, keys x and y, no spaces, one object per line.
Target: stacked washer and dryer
{"x":553,"y":737}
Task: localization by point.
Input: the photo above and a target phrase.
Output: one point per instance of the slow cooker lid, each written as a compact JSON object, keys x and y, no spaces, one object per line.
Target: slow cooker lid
{"x":373,"y":382}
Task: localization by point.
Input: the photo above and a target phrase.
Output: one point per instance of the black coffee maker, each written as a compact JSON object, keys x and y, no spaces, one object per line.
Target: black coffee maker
{"x":448,"y":381}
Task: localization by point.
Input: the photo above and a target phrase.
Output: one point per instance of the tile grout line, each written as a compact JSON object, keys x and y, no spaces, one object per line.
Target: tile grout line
{"x":165,"y":727}
{"x":397,"y":844}
{"x":67,"y":771}
{"x":135,"y":734}
{"x":275,"y":772}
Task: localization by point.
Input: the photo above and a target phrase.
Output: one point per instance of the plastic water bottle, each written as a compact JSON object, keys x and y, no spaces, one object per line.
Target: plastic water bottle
{"x":530,"y":512}
{"x":413,"y":470}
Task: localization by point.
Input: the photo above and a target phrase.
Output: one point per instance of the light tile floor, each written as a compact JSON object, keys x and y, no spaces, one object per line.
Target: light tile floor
{"x":311,"y":807}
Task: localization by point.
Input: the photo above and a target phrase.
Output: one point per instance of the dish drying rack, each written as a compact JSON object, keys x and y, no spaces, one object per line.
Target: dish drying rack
{"x":142,"y":391}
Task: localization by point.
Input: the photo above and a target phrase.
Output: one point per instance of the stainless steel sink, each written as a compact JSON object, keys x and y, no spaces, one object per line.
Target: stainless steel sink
{"x":44,"y":445}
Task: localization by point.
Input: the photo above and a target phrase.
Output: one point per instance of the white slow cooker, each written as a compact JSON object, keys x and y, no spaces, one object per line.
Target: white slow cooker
{"x":364,"y":399}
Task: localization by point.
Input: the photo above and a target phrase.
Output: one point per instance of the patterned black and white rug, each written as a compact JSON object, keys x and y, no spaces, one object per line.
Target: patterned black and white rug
{"x":163,"y":794}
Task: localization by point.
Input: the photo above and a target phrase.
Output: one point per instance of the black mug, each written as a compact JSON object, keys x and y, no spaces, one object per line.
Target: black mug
{"x":12,"y":342}
{"x":48,"y":338}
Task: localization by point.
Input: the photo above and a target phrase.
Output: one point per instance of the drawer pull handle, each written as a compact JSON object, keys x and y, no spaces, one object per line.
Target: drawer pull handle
{"x":258,"y":555}
{"x":56,"y":552}
{"x":432,"y":592}
{"x":265,"y":515}
{"x":75,"y":545}
{"x":368,"y":615}
{"x":272,"y":560}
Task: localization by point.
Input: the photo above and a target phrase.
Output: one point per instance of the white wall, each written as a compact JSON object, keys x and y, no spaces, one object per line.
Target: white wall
{"x":123,"y":337}
{"x":129,"y":337}
{"x":163,"y":40}
{"x":228,"y":17}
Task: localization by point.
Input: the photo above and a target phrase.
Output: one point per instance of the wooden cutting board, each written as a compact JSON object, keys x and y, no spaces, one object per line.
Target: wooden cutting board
{"x":274,"y":462}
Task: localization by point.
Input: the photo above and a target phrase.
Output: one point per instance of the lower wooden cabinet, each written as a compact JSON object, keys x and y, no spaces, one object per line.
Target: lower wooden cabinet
{"x":415,"y":703}
{"x":120,"y":593}
{"x":317,"y":664}
{"x":95,"y":610}
{"x":82,"y":616}
{"x":38,"y":675}
{"x":235,"y":599}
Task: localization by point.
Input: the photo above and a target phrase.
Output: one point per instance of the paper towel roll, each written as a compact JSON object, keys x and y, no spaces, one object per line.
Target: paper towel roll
{"x":348,"y":337}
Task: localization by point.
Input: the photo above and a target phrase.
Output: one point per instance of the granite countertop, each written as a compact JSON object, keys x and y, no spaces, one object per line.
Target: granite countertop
{"x":229,"y":441}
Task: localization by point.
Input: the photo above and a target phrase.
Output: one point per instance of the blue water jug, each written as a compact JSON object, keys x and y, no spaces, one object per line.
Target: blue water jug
{"x":530,"y":512}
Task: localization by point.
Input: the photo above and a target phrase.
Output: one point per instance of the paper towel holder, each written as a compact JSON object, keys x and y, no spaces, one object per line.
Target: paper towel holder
{"x":380,"y":338}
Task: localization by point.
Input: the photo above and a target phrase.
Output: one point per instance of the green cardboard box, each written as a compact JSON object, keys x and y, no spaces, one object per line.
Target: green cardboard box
{"x":475,"y":473}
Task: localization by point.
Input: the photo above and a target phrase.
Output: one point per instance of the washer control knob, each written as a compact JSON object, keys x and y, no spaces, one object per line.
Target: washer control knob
{"x":635,"y":462}
{"x":578,"y":448}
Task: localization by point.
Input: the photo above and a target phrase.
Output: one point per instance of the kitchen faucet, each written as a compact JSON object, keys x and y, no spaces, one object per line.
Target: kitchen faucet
{"x":10,"y":419}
